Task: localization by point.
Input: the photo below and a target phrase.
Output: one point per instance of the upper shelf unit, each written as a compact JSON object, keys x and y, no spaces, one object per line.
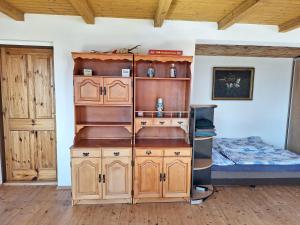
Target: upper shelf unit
{"x":102,"y":64}
{"x":161,"y":65}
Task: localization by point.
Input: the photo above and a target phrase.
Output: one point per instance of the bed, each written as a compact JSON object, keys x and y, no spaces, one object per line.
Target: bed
{"x":251,"y":161}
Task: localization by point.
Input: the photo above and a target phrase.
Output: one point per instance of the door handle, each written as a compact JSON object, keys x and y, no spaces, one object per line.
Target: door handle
{"x":164,"y":177}
{"x":143,"y":123}
{"x":162,"y":122}
{"x":116,"y":153}
{"x":160,"y":177}
{"x":104,"y":91}
{"x":85,"y":154}
{"x":148,"y":152}
{"x":101,"y":90}
{"x":180,"y":122}
{"x":103,"y":179}
{"x":177,"y":153}
{"x":99,"y":178}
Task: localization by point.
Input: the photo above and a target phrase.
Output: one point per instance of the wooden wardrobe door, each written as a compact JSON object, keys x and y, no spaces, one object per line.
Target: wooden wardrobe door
{"x":85,"y":178}
{"x":293,"y":141}
{"x":28,"y":108}
{"x":40,"y":65}
{"x":147,"y":175}
{"x":117,"y":91}
{"x":117,"y":177}
{"x":177,"y":172}
{"x":88,"y":90}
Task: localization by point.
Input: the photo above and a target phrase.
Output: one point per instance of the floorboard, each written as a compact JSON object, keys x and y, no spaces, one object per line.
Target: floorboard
{"x":45,"y":205}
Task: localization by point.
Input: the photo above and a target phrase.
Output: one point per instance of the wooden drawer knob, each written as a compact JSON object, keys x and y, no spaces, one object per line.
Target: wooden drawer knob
{"x":116,"y":153}
{"x":177,"y":153}
{"x":143,"y":123}
{"x":85,"y":154}
{"x":162,"y":122}
{"x":180,"y":122}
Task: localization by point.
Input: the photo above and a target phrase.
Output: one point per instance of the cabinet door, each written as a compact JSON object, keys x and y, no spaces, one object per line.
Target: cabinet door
{"x":88,"y":90}
{"x":177,"y":177}
{"x":117,"y":175}
{"x":117,"y":91}
{"x":85,"y":178}
{"x":147,"y":177}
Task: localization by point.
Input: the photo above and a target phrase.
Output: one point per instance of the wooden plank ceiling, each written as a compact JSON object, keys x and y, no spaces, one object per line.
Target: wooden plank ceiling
{"x":284,"y":13}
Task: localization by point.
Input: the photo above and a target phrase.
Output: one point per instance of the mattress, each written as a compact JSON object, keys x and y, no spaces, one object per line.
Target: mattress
{"x":254,"y":151}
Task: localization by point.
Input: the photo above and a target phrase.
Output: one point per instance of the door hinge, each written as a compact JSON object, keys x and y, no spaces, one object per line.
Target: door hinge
{"x":132,"y":192}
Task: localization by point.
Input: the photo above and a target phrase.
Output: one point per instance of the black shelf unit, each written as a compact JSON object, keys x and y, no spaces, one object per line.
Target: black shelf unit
{"x":202,"y":141}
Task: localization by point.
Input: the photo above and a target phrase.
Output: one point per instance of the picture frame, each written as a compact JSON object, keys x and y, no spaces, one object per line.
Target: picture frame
{"x":233,"y":83}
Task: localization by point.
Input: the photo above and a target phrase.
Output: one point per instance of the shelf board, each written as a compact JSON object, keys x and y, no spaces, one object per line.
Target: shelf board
{"x":163,"y":58}
{"x":160,"y":143}
{"x":201,"y":164}
{"x":104,"y":124}
{"x":102,"y":56}
{"x":95,"y":143}
{"x":97,"y":76}
{"x":164,"y":78}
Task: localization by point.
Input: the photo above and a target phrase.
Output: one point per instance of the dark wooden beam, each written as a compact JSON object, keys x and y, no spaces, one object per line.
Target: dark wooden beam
{"x":290,"y":25}
{"x":247,"y":51}
{"x":84,"y":10}
{"x":236,"y":14}
{"x":11,"y":11}
{"x":161,"y":12}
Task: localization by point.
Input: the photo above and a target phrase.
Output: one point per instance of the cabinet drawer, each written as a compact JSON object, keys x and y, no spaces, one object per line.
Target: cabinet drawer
{"x":116,"y":152}
{"x":86,"y":153}
{"x":180,"y":121}
{"x":148,"y":152}
{"x":161,"y":122}
{"x":143,"y":122}
{"x":178,"y":152}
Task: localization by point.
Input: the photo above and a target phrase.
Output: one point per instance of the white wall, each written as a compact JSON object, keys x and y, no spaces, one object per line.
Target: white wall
{"x":67,"y":33}
{"x":266,"y":115}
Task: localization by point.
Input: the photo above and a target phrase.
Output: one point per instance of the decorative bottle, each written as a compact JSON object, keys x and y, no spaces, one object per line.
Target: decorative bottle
{"x":151,"y":71}
{"x":160,"y":107}
{"x":173,"y":71}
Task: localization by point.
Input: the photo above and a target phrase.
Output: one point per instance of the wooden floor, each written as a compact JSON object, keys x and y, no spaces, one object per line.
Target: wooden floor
{"x":270,"y":205}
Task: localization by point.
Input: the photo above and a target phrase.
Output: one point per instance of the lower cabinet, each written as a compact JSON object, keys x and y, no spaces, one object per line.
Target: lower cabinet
{"x":162,"y":177}
{"x":106,"y":178}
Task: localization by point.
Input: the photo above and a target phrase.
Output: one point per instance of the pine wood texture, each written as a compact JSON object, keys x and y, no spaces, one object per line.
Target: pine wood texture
{"x":274,"y":205}
{"x":161,"y":12}
{"x":236,"y":14}
{"x":290,"y":25}
{"x":83,"y":8}
{"x":101,"y":175}
{"x":264,"y":12}
{"x":28,"y":114}
{"x":11,"y":10}
{"x":247,"y":51}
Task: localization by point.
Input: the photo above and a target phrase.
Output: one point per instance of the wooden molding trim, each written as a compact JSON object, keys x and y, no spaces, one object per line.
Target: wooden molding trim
{"x":247,"y":51}
{"x":161,"y":12}
{"x":84,"y":10}
{"x":11,"y":11}
{"x":290,"y":25}
{"x":236,"y":14}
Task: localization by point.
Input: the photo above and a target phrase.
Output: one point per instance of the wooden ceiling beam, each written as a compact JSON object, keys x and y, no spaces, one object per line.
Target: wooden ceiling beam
{"x":161,"y":12}
{"x":11,"y":11}
{"x":290,"y":25}
{"x":247,"y":51}
{"x":84,"y":10}
{"x":236,"y":14}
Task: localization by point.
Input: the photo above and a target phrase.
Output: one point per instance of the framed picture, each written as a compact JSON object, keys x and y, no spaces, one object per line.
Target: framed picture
{"x":233,"y":83}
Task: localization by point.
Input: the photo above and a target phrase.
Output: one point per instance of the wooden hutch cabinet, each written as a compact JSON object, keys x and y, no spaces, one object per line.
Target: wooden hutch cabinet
{"x":162,"y":154}
{"x":125,"y":151}
{"x":101,"y":157}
